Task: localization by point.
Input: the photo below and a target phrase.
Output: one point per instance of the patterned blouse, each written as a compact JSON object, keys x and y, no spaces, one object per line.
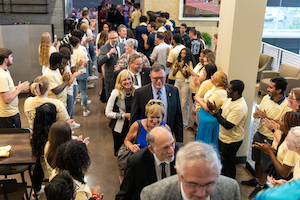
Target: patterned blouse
{"x":123,"y":61}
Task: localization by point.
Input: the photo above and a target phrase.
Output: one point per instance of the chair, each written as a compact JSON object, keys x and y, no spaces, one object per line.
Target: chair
{"x":264,"y":64}
{"x":8,"y":170}
{"x":11,"y":190}
{"x":290,"y":73}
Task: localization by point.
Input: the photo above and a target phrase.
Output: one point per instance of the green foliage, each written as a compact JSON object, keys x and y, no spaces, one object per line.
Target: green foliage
{"x":295,"y":24}
{"x":207,"y":39}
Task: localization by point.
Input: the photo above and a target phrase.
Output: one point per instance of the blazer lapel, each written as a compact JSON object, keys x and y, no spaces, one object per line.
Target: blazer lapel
{"x":149,"y":165}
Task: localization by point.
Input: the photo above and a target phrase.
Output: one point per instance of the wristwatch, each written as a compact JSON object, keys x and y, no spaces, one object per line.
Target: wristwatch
{"x":275,"y":129}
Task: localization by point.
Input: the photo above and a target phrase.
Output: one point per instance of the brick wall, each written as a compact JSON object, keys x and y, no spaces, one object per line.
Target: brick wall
{"x":55,"y":14}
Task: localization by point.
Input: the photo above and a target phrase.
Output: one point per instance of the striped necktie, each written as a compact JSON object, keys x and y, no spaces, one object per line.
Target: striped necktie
{"x":158,"y":95}
{"x":136,"y":80}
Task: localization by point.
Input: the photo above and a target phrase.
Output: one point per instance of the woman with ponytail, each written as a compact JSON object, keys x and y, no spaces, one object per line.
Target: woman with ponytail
{"x":40,"y":88}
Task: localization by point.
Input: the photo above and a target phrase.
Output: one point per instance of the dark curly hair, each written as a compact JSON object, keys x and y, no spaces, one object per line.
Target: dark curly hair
{"x":188,"y":57}
{"x":45,"y":116}
{"x":59,"y":133}
{"x":74,"y":157}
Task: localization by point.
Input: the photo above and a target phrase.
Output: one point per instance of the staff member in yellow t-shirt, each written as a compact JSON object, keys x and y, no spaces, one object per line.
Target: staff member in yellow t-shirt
{"x":9,"y":111}
{"x":231,"y":116}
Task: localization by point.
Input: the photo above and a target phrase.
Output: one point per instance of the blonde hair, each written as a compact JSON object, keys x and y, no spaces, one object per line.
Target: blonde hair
{"x":155,"y":107}
{"x":84,"y":26}
{"x":44,"y":49}
{"x":39,"y":86}
{"x":221,"y":78}
{"x":122,"y":76}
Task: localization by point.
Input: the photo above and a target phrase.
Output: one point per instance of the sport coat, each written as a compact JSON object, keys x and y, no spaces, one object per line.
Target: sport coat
{"x":140,"y":172}
{"x":144,"y":76}
{"x":169,"y":189}
{"x":174,"y":115}
{"x":109,"y":63}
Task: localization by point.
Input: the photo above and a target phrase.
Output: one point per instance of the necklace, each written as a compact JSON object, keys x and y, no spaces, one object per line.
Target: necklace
{"x":127,"y":95}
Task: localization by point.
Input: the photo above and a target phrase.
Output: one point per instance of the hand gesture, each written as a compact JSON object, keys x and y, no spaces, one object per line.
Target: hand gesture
{"x":145,"y":37}
{"x":275,"y":182}
{"x":127,"y":116}
{"x":23,"y":86}
{"x":78,"y":73}
{"x":66,"y":76}
{"x":89,"y":38}
{"x":176,"y":63}
{"x":187,"y":68}
{"x":112,"y":51}
{"x":265,"y":147}
{"x":79,"y":63}
{"x":270,"y":124}
{"x":197,"y":98}
{"x":135,"y":148}
{"x":96,"y":190}
{"x":211,"y":106}
{"x":86,"y":140}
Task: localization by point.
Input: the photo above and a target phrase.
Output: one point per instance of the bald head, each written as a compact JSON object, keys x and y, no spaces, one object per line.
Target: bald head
{"x":161,"y":143}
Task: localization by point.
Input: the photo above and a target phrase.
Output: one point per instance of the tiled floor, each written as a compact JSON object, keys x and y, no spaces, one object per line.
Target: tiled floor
{"x":103,"y":170}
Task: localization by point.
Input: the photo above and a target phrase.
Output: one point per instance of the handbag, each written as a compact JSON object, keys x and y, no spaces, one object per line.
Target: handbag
{"x":124,"y":152}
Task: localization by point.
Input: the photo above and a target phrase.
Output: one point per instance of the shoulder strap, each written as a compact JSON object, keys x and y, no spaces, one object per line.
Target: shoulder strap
{"x":138,"y":132}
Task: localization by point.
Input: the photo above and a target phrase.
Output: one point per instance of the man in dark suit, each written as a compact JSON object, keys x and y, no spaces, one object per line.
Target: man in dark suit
{"x":157,"y":89}
{"x":109,"y":55}
{"x":198,"y":177}
{"x":140,"y":74}
{"x":150,"y":164}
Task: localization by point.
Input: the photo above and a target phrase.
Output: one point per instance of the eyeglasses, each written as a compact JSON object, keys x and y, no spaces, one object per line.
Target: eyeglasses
{"x":290,"y":97}
{"x":196,"y":186}
{"x":155,"y":102}
{"x":158,"y":78}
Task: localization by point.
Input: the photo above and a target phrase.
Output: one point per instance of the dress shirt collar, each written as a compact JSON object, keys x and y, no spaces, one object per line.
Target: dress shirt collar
{"x":154,"y":90}
{"x":157,"y":161}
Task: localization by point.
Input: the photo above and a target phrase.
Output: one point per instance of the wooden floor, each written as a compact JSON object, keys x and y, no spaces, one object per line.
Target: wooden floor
{"x":103,"y":170}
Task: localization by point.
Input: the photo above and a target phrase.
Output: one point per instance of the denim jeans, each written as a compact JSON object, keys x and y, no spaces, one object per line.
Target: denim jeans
{"x":82,"y":81}
{"x":70,"y":106}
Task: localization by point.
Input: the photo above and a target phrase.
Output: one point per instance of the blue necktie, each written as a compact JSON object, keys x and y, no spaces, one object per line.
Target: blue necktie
{"x":158,"y":95}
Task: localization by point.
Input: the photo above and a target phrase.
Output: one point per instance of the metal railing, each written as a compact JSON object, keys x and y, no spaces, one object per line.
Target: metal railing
{"x":281,"y":56}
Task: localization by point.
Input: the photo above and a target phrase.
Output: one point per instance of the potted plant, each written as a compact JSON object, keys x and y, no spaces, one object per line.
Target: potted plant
{"x":207,"y":39}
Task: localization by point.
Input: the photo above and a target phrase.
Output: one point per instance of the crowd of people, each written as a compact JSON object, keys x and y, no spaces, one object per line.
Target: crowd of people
{"x":147,"y":74}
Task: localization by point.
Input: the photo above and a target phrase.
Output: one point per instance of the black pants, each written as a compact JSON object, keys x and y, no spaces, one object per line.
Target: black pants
{"x":10,"y":122}
{"x":228,"y":154}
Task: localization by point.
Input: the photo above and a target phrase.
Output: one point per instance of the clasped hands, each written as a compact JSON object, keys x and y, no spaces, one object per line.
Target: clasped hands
{"x":260,"y":114}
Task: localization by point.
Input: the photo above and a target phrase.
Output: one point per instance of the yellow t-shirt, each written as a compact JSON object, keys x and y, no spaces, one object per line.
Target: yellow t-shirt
{"x":204,"y":87}
{"x":7,"y":85}
{"x":136,"y":18}
{"x":286,"y":156}
{"x":172,"y":57}
{"x":55,"y":79}
{"x":199,"y":72}
{"x":83,"y":192}
{"x":179,"y":75}
{"x":273,"y":111}
{"x":296,"y":173}
{"x":31,"y":103}
{"x":234,"y":112}
{"x":217,"y":95}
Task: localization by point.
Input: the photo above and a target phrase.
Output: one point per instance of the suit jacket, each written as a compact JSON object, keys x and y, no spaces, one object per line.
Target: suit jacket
{"x":174,"y":115}
{"x":140,"y":172}
{"x":109,"y":62}
{"x":169,"y":189}
{"x":144,"y":76}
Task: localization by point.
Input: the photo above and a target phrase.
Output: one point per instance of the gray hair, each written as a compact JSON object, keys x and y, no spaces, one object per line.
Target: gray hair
{"x":295,"y":133}
{"x":197,"y":151}
{"x":120,"y":27}
{"x":132,"y":43}
{"x":109,"y":33}
{"x":133,"y":57}
{"x":157,"y":67}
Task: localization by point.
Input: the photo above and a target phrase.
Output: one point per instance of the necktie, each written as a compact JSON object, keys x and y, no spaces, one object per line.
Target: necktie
{"x":158,"y":95}
{"x":136,"y":80}
{"x":163,"y":170}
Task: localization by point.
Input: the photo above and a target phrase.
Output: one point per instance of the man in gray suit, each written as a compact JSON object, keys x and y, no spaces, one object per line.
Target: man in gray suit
{"x":198,"y":177}
{"x":109,"y":55}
